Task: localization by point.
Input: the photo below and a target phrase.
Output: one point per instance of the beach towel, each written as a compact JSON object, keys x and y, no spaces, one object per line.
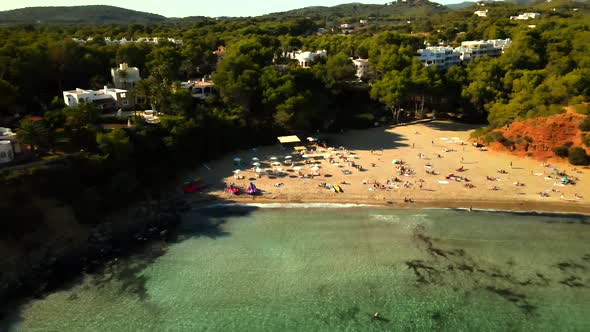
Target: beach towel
{"x":443,"y":182}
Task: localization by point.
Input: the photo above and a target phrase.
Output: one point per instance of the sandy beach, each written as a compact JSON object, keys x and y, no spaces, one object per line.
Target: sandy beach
{"x":480,"y":179}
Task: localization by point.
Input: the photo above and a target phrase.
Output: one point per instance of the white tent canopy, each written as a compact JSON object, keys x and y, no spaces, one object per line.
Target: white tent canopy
{"x":288,"y":139}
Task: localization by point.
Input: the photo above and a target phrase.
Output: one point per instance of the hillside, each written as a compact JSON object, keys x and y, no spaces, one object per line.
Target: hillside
{"x":539,"y":136}
{"x":401,"y":8}
{"x":78,"y":14}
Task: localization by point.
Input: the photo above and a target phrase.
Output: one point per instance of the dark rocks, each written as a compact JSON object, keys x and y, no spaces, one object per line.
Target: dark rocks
{"x":47,"y":270}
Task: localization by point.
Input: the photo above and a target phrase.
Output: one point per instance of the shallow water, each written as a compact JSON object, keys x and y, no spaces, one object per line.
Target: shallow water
{"x":331,"y":269}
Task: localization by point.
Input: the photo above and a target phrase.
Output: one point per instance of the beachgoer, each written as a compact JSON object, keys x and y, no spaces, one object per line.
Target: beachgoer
{"x":413,"y":145}
{"x":376,"y":315}
{"x":510,"y":164}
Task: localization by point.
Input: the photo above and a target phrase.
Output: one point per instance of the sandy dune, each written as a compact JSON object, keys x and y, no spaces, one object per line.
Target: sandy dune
{"x":377,"y":147}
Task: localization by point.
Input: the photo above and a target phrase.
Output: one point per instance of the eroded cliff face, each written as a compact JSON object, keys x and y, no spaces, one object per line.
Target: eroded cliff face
{"x":537,"y":137}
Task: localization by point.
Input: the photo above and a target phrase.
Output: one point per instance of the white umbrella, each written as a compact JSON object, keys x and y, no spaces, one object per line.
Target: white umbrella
{"x":273,"y":158}
{"x":288,"y":157}
{"x":297,"y":168}
{"x":259,"y":170}
{"x":275,"y":163}
{"x":280,"y":169}
{"x":256,"y":164}
{"x":255,"y":159}
{"x":237,"y":159}
{"x":315,"y":168}
{"x":237,"y":171}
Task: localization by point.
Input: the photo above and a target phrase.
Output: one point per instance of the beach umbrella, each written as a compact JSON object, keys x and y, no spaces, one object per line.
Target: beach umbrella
{"x":259,"y":170}
{"x":237,"y":171}
{"x":315,"y":168}
{"x":288,"y":157}
{"x":275,"y":163}
{"x":273,"y":158}
{"x":236,"y":159}
{"x":394,"y":161}
{"x":256,"y":164}
{"x":297,"y":168}
{"x":255,"y":159}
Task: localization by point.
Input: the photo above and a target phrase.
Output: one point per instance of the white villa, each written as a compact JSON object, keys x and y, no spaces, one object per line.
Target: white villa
{"x":526,"y":16}
{"x":362,"y":67}
{"x":199,"y":89}
{"x":105,"y":99}
{"x":306,"y":59}
{"x":123,"y":41}
{"x":481,"y":13}
{"x":9,"y":145}
{"x":125,"y":77}
{"x":441,"y":56}
{"x":448,"y":56}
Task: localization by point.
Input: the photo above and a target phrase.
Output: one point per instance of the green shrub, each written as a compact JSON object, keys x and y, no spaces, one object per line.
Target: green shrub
{"x":585,"y":124}
{"x":582,"y":108}
{"x":586,"y":140}
{"x":577,"y":156}
{"x":480,"y":132}
{"x":493,"y":136}
{"x":506,"y":142}
{"x":563,"y":150}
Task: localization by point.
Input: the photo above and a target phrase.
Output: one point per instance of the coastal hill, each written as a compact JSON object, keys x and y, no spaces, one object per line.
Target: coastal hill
{"x":97,"y":14}
{"x":402,"y":7}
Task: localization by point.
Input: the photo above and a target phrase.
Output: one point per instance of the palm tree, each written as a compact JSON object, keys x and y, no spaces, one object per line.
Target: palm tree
{"x":141,"y":92}
{"x":33,"y":133}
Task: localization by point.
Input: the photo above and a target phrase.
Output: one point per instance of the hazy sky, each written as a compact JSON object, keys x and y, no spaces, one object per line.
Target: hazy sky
{"x":182,"y":8}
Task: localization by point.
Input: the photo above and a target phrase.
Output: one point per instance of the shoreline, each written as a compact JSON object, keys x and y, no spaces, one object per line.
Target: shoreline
{"x":440,"y":170}
{"x":477,"y":205}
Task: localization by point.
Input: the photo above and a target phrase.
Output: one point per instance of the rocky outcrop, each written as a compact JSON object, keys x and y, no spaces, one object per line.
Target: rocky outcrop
{"x":538,"y":137}
{"x":46,"y":268}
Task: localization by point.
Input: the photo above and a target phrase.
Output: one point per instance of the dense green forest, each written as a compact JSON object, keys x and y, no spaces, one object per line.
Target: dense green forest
{"x":260,"y":93}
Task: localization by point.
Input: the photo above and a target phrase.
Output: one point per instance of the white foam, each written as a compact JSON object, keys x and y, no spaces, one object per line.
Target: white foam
{"x":292,"y":205}
{"x":385,"y":218}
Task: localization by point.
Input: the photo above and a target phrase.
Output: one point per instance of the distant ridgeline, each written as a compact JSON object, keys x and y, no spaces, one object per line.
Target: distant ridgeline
{"x":100,"y":14}
{"x":78,"y":14}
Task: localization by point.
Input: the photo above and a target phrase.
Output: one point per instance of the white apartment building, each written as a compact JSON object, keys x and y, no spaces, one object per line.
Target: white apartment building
{"x":473,"y":49}
{"x":481,"y":13}
{"x":104,"y":99}
{"x":441,"y":56}
{"x":362,"y":67}
{"x":448,"y":56}
{"x":306,"y":59}
{"x":125,"y":77}
{"x":526,"y":16}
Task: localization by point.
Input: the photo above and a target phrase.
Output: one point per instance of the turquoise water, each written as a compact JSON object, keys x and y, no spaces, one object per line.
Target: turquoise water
{"x":330,"y":269}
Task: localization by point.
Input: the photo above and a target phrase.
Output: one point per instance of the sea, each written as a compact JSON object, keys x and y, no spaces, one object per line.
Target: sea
{"x":336,"y":268}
